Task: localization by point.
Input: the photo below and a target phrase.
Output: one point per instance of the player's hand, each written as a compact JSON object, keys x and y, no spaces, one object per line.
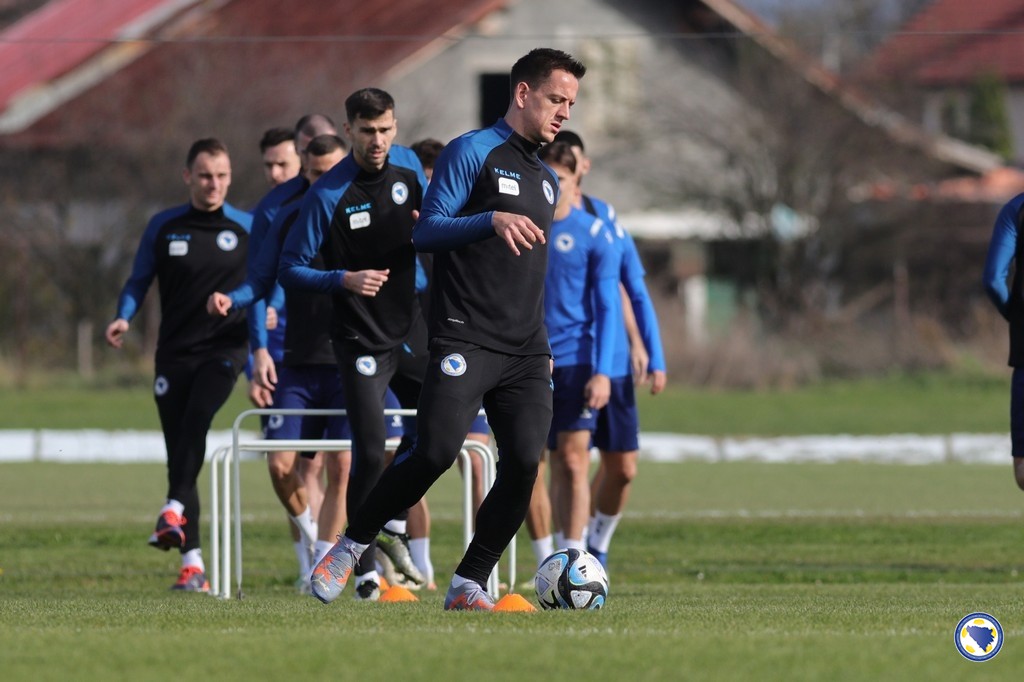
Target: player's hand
{"x":598,"y":391}
{"x":517,"y":229}
{"x":272,"y":320}
{"x":218,"y":304}
{"x":638,"y":361}
{"x":116,"y":331}
{"x":365,"y":282}
{"x":658,"y":381}
{"x":259,"y":396}
{"x":264,"y":372}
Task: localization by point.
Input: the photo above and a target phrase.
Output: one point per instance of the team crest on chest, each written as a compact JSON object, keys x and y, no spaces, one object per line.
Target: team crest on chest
{"x":227,"y":240}
{"x":399,"y":193}
{"x":366,"y":365}
{"x":564,"y":242}
{"x":549,"y":192}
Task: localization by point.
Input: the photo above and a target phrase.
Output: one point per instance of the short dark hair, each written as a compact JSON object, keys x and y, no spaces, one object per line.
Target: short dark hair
{"x":368,"y":103}
{"x":570,"y":138}
{"x":312,"y":125}
{"x":207,"y":145}
{"x":427,"y":150}
{"x":322,"y":145}
{"x":275,"y":136}
{"x":538,"y":64}
{"x":560,"y":153}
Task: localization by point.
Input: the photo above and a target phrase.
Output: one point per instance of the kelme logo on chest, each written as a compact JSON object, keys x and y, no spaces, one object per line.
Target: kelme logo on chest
{"x":508,"y":181}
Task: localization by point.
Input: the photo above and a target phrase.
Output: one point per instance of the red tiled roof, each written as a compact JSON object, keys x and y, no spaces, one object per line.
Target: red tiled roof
{"x":234,"y":45}
{"x":59,"y":36}
{"x":952,"y":41}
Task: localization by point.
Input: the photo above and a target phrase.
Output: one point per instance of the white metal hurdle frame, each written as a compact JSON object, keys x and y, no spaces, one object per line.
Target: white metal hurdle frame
{"x":225,"y":493}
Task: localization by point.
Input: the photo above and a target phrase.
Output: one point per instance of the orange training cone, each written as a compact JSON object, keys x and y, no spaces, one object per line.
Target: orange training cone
{"x":398,"y":593}
{"x":514,"y":602}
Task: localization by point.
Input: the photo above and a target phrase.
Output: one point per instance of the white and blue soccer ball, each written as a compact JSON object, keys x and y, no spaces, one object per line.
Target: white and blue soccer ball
{"x":571,"y":579}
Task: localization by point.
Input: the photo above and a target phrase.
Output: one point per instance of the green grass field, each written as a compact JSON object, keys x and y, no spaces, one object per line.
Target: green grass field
{"x":928,"y":403}
{"x":719,"y":572}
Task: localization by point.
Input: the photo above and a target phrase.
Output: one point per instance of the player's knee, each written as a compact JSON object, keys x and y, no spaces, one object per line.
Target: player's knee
{"x":623,"y":471}
{"x":279,"y":469}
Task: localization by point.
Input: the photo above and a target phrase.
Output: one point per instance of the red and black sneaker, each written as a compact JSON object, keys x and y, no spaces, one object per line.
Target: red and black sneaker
{"x":191,"y":579}
{"x":169,"y":532}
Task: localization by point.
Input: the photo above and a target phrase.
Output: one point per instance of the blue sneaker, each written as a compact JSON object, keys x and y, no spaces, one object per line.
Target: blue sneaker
{"x":600,"y":556}
{"x":332,"y":572}
{"x":471,"y":596}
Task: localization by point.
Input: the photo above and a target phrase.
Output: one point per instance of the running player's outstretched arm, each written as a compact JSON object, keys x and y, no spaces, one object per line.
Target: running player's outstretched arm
{"x":302,"y":244}
{"x":1001,"y":252}
{"x":632,"y":277}
{"x":143,"y":272}
{"x":440,"y":227}
{"x":604,"y":282}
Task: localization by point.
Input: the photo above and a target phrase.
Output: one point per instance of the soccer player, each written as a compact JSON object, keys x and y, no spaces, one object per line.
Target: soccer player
{"x":581,"y":295}
{"x":360,"y":217}
{"x":308,"y":377}
{"x":485,"y":219}
{"x":1002,"y":254}
{"x":190,"y":249}
{"x":639,"y":358}
{"x":267,"y":344}
{"x":280,"y":159}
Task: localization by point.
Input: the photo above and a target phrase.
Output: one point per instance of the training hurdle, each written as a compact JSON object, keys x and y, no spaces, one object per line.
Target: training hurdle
{"x":225,"y":492}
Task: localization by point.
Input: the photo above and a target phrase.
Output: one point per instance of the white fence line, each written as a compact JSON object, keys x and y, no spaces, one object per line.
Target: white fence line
{"x":95,"y":445}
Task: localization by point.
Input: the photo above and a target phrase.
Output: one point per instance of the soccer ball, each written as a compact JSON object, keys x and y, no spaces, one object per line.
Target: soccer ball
{"x":571,"y":579}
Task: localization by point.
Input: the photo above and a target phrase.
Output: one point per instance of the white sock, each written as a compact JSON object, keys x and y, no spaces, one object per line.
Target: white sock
{"x":459,"y":581}
{"x":372,"y":575}
{"x":543,"y":548}
{"x":356,"y":547}
{"x":602,"y":528}
{"x":575,"y":544}
{"x":321,"y":548}
{"x":419,"y":548}
{"x":175,"y":506}
{"x":396,"y":526}
{"x":193,"y":557}
{"x":559,"y":540}
{"x":302,"y":554}
{"x":307,"y":527}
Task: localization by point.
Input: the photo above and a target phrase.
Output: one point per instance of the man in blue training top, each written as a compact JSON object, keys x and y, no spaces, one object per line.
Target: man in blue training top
{"x":639,"y":359}
{"x":485,"y":218}
{"x":580,"y":303}
{"x":191,"y":250}
{"x":1005,"y":250}
{"x":359,"y":216}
